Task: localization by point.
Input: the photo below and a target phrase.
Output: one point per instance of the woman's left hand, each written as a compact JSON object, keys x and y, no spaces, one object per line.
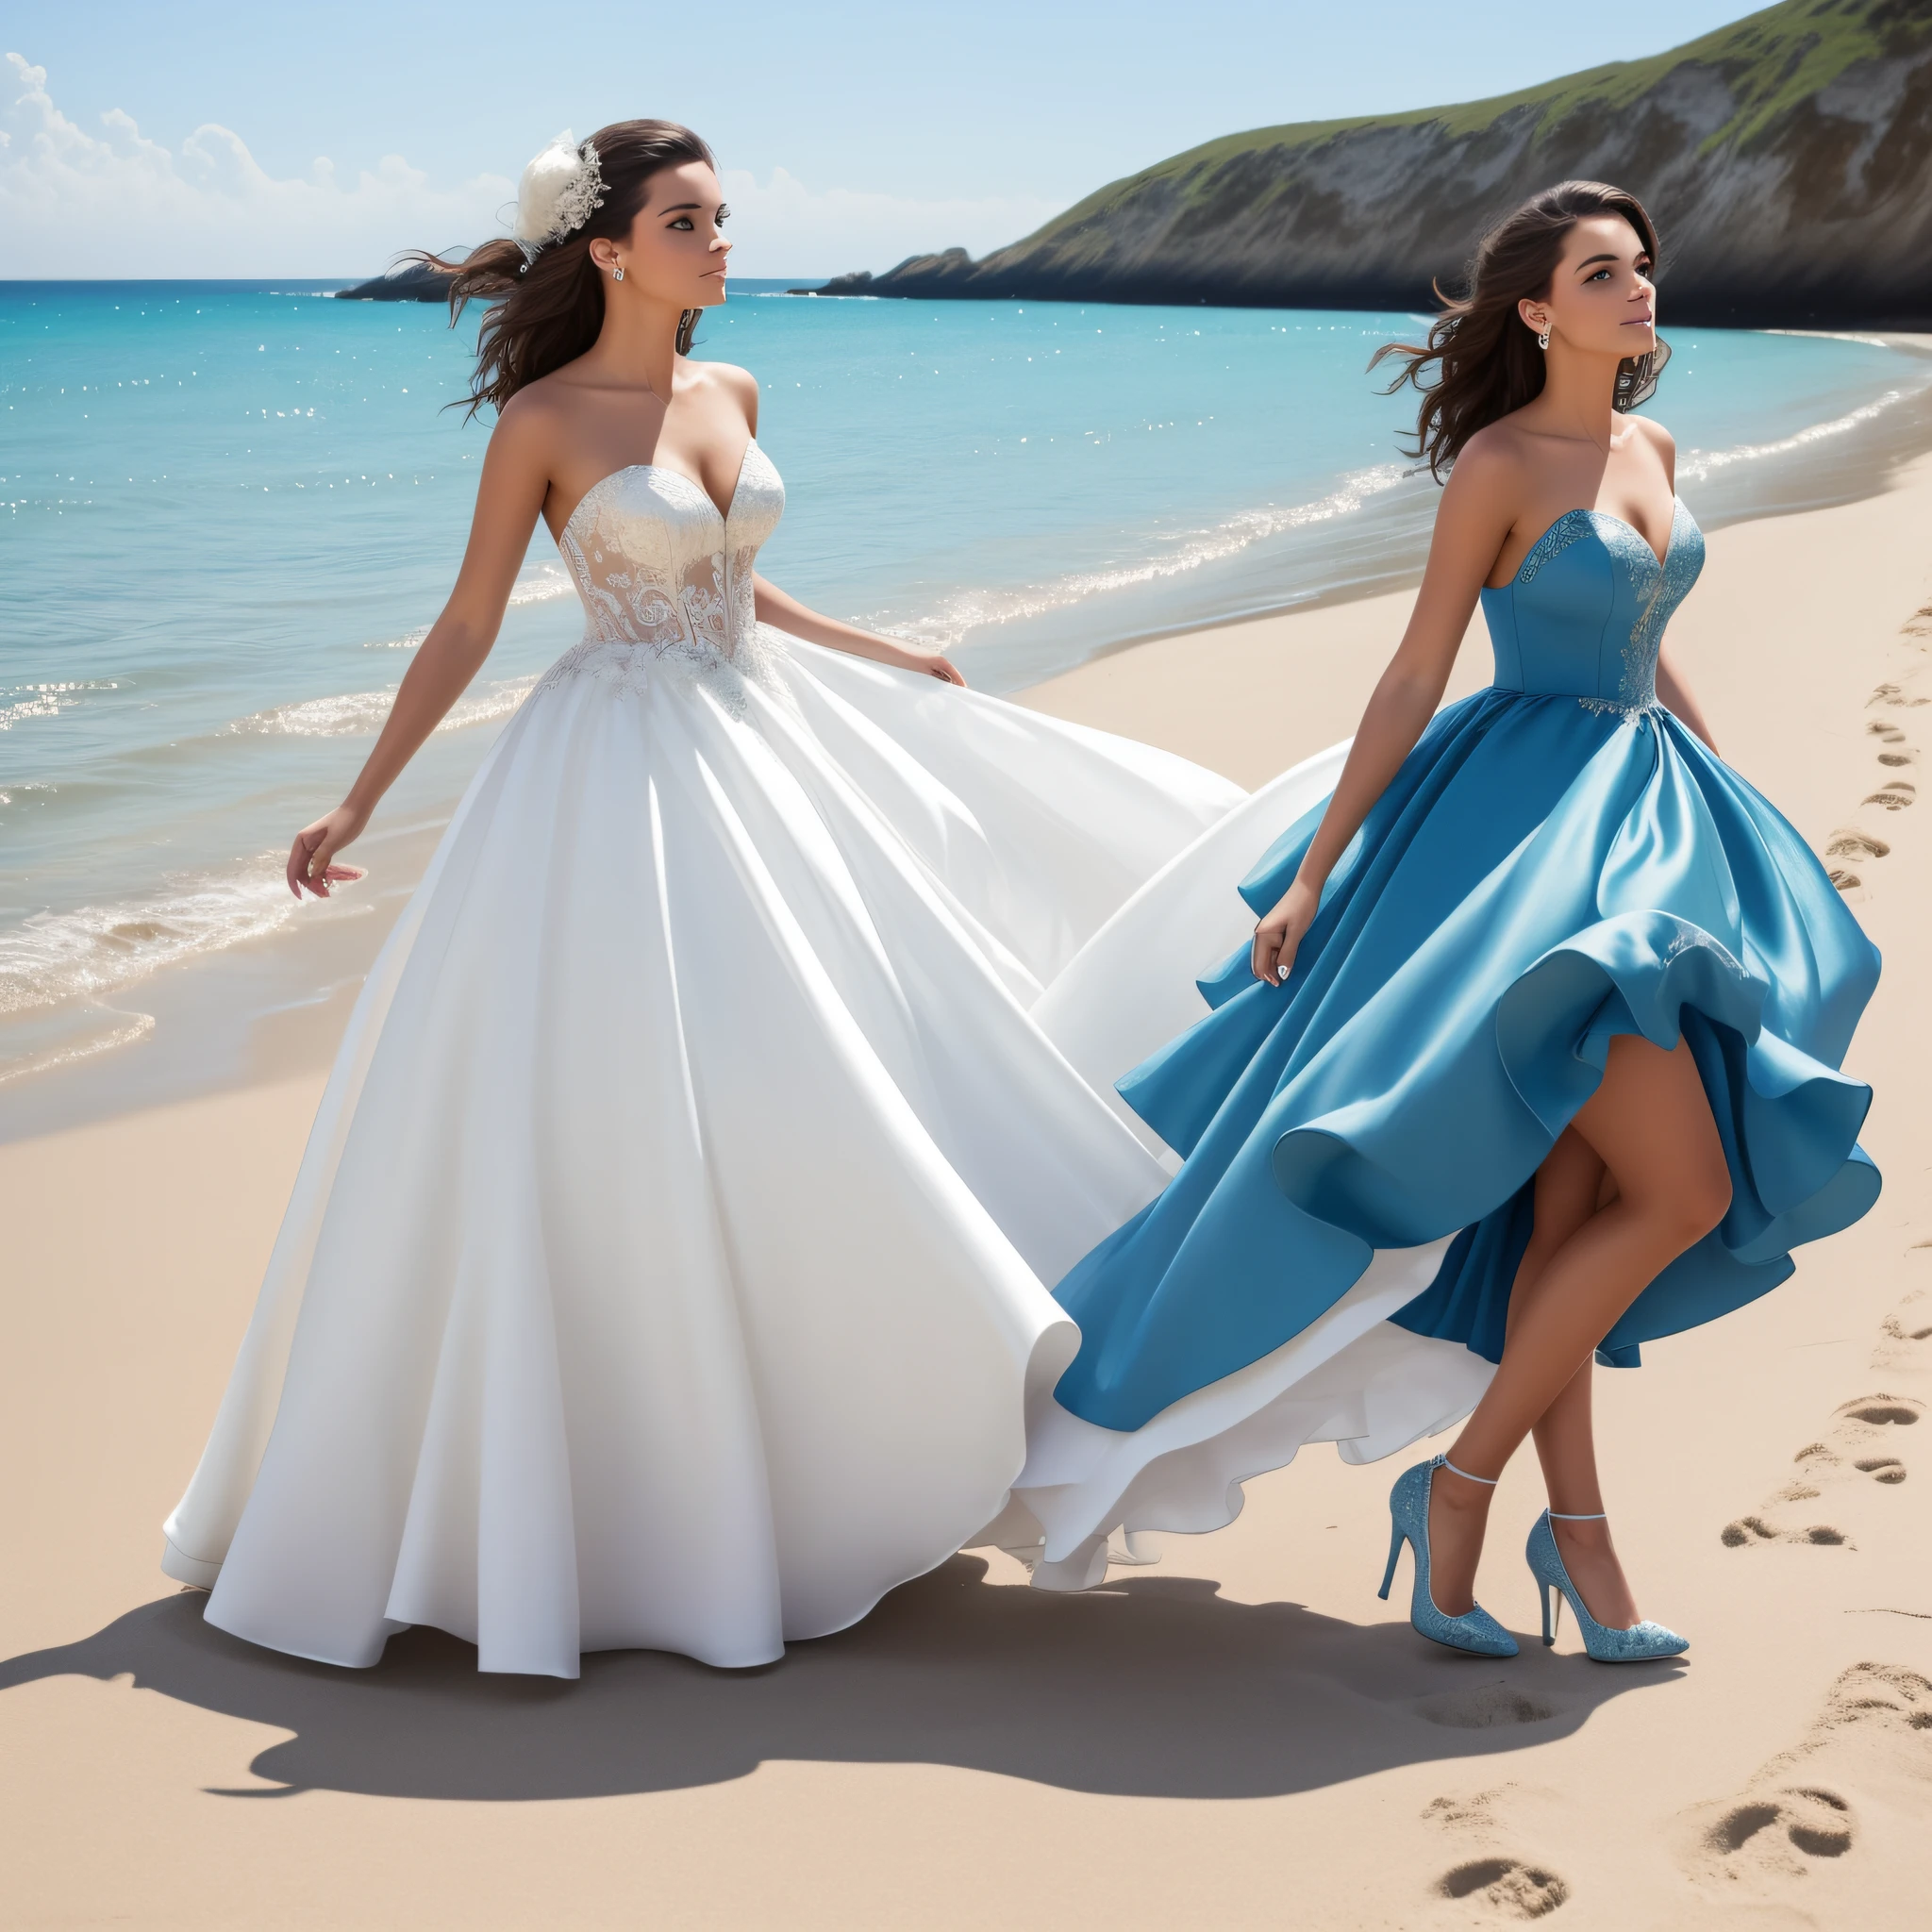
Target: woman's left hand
{"x":1279,"y":935}
{"x":785,"y":612}
{"x":933,"y":663}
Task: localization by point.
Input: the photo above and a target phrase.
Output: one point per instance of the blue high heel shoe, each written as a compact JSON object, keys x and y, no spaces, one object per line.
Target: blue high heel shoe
{"x":1640,"y":1643}
{"x":1475,"y":1630}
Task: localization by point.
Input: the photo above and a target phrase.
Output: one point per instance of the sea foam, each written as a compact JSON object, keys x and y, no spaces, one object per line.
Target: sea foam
{"x":362,"y":713}
{"x":186,"y":610}
{"x":970,"y":610}
{"x":93,"y":950}
{"x":1698,"y":464}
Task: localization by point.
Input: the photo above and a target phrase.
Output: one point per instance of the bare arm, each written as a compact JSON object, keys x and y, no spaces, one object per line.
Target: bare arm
{"x":775,"y":607}
{"x":1471,"y":525}
{"x":785,"y":612}
{"x":509,"y":499}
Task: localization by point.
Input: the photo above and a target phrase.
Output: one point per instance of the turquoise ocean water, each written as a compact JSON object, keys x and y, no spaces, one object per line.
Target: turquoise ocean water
{"x":228,"y":512}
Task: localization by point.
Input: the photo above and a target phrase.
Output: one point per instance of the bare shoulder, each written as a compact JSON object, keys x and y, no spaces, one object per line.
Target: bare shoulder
{"x":1501,"y":444}
{"x":1657,"y":436}
{"x":528,"y":425}
{"x":1491,"y":463}
{"x":740,"y":382}
{"x":739,"y":385}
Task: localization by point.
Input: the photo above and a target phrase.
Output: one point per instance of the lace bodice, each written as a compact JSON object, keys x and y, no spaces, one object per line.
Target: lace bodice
{"x":665,"y":580}
{"x":1584,"y":615}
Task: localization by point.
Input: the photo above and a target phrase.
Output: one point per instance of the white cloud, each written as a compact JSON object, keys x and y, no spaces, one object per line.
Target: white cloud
{"x":116,"y":204}
{"x":74,"y":204}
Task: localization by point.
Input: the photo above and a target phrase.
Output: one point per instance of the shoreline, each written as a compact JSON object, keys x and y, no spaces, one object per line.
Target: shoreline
{"x":271,"y":1005}
{"x":1219,"y":696}
{"x":1372,"y":531}
{"x":1243,"y":1708}
{"x":1861,"y":470}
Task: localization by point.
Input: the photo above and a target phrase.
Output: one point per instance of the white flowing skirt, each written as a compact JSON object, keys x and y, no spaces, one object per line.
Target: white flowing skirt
{"x":1352,"y":1378}
{"x":669,"y":1263}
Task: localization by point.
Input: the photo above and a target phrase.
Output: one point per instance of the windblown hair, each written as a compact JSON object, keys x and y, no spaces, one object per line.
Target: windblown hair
{"x":546,"y":313}
{"x":1488,"y":361}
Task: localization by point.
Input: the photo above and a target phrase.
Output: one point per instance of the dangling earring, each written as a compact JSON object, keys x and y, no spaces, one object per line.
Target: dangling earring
{"x":1542,"y":342}
{"x":617,"y":275}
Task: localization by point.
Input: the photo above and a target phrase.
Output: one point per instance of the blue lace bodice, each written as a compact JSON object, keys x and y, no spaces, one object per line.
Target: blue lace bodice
{"x":1584,"y":615}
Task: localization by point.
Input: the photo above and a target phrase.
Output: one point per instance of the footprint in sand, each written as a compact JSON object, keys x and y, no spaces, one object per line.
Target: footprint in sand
{"x":1893,"y":695}
{"x":1508,"y":1886}
{"x":1490,"y":1879}
{"x":1486,"y":1708}
{"x":1849,"y":843}
{"x":1861,"y":1448}
{"x":1897,"y":751}
{"x":1894,"y":796}
{"x":1874,"y":1735}
{"x":1810,"y":1820}
{"x":1905,"y":1337}
{"x":1849,"y":846}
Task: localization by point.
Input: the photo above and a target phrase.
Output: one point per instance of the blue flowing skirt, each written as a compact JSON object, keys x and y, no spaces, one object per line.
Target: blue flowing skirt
{"x":1541,"y":875}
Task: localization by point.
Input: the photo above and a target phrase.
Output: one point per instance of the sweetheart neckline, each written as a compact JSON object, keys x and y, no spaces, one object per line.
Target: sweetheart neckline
{"x":1661,"y":563}
{"x":723,"y":515}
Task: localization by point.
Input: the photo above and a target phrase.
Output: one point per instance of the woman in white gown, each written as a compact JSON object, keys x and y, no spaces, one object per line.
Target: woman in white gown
{"x":668,"y":1266}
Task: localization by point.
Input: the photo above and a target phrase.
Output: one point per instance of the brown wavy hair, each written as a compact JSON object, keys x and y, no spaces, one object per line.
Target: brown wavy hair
{"x":1488,"y":363}
{"x":546,"y":313}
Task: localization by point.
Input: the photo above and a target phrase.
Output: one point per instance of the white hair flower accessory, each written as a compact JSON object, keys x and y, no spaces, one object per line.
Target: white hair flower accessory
{"x":558,"y":190}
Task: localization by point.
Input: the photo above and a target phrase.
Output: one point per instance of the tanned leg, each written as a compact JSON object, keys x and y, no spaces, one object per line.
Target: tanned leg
{"x":1566,"y":1446}
{"x":1569,"y":1188}
{"x":1650,"y":1126}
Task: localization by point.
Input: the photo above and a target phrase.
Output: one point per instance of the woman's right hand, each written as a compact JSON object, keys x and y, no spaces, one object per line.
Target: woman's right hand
{"x":310,"y":856}
{"x":1279,"y":937}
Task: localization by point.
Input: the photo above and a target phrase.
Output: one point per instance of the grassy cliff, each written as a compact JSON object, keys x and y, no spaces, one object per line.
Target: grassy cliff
{"x":1786,"y":157}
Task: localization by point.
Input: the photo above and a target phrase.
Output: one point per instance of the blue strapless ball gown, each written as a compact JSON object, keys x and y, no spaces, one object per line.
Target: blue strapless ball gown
{"x":1559,"y":860}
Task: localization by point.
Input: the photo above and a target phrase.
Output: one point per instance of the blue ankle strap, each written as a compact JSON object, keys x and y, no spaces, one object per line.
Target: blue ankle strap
{"x":1488,"y":1482}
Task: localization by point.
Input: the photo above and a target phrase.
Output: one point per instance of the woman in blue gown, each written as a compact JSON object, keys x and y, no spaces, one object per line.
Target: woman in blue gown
{"x":1543,"y":996}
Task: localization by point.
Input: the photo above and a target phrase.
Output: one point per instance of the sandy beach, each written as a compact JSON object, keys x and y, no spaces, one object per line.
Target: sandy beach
{"x":1242,"y":1736}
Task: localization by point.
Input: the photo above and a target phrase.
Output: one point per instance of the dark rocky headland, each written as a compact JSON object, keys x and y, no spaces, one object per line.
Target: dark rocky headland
{"x":1787,"y":159}
{"x":411,"y":283}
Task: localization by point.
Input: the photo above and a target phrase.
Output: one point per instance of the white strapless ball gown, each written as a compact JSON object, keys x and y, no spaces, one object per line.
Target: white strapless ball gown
{"x":669,"y":1263}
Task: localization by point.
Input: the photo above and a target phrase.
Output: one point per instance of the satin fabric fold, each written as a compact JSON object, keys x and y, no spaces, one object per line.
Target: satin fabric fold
{"x":1558,"y":862}
{"x":1539,"y":878}
{"x":690,"y":1123}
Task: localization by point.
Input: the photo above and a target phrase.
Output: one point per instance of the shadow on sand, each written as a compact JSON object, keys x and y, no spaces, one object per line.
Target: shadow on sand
{"x":1155,"y":1686}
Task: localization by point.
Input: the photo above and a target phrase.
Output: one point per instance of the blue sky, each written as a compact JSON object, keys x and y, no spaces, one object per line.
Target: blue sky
{"x":222,"y":139}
